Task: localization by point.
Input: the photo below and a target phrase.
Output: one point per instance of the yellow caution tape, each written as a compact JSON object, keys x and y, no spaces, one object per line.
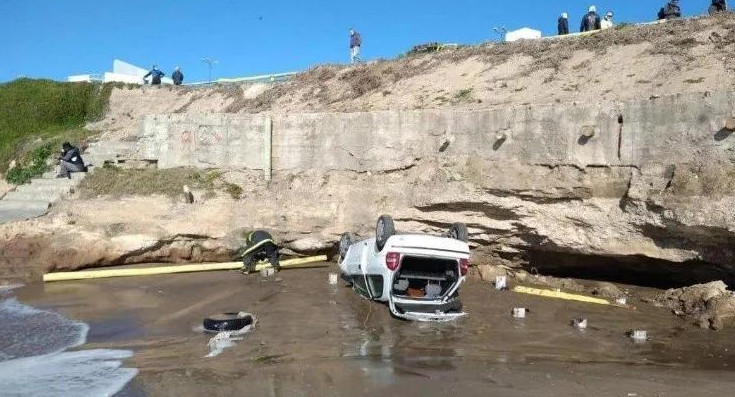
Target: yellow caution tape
{"x":203,"y":267}
{"x":547,"y":293}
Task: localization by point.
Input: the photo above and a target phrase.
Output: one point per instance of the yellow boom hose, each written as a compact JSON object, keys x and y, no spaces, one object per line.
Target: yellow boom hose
{"x":203,"y":267}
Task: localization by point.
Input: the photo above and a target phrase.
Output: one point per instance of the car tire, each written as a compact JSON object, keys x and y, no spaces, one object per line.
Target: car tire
{"x":384,"y":229}
{"x":227,"y":322}
{"x":345,"y":241}
{"x":458,"y":231}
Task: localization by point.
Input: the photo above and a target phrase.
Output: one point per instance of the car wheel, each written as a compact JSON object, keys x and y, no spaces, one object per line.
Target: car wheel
{"x":458,"y":231}
{"x":383,"y":230}
{"x":227,"y":322}
{"x":344,"y":244}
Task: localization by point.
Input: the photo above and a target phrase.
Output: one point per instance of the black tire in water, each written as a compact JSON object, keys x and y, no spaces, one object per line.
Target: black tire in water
{"x":458,"y":231}
{"x":384,"y":228}
{"x":227,"y":322}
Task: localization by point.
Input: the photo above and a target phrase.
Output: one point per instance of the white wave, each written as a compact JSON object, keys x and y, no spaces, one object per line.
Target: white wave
{"x":27,"y":331}
{"x":33,"y":361}
{"x":92,"y":373}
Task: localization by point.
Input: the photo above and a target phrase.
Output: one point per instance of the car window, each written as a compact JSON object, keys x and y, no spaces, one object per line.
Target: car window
{"x":361,"y":286}
{"x":375,"y":284}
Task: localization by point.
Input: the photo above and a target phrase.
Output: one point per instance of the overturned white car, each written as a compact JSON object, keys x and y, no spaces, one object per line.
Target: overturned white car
{"x":417,"y":275}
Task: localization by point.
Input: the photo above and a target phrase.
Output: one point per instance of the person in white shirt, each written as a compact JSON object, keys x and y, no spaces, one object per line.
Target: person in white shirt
{"x":607,"y":22}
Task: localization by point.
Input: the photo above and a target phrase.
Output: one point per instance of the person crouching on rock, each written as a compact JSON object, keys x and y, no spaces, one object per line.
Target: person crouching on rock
{"x":70,"y":161}
{"x":259,"y":245}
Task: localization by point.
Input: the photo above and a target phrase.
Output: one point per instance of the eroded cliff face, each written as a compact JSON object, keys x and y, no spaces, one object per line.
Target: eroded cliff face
{"x":659,"y":225}
{"x":601,"y":157}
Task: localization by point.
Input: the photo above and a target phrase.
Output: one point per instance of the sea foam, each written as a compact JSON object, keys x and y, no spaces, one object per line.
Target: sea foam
{"x":33,"y":360}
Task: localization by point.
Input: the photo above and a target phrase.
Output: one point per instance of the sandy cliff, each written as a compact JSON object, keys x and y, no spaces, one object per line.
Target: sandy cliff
{"x":666,"y":222}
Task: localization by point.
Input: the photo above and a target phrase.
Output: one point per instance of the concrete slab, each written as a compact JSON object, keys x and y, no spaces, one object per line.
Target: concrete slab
{"x":48,"y":196}
{"x":7,"y":216}
{"x":59,"y":188}
{"x":53,"y":182}
{"x":24,"y":205}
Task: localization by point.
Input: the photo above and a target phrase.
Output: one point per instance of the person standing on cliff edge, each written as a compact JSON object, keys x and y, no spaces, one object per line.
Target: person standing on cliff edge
{"x":590,"y":21}
{"x":156,"y":75}
{"x":671,"y":10}
{"x":718,"y":6}
{"x":563,"y":24}
{"x":355,"y":46}
{"x":177,"y":76}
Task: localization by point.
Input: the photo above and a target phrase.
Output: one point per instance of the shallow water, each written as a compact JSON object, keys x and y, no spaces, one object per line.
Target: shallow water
{"x":34,"y":360}
{"x":316,"y":339}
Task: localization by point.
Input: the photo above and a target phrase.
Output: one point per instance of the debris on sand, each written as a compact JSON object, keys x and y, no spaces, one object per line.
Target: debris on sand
{"x":709,"y":304}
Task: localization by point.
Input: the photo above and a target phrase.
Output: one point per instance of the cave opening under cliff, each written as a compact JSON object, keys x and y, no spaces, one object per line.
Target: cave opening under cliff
{"x":631,"y":270}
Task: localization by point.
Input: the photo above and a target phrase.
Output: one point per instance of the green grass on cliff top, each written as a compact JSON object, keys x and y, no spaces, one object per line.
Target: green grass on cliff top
{"x":42,"y":113}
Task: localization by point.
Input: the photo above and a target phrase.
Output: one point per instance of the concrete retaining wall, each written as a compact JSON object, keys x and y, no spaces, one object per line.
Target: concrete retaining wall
{"x":675,"y":129}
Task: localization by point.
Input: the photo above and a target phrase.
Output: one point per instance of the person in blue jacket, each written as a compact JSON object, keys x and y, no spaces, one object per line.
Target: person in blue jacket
{"x":177,"y":76}
{"x":155,"y":75}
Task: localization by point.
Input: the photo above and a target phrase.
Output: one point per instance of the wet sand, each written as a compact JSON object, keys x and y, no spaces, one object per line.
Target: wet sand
{"x":315,"y":339}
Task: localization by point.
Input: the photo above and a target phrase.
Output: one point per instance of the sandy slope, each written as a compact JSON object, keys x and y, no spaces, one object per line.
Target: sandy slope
{"x":628,"y":62}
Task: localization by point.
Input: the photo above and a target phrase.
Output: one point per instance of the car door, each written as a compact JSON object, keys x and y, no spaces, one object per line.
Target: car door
{"x":355,"y":264}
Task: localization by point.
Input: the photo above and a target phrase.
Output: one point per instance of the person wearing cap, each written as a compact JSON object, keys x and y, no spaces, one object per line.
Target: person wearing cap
{"x":590,"y":21}
{"x":156,"y":75}
{"x":671,"y":10}
{"x":607,"y":22}
{"x":177,"y":76}
{"x":259,"y":245}
{"x":563,"y":24}
{"x":355,"y":46}
{"x":70,"y":161}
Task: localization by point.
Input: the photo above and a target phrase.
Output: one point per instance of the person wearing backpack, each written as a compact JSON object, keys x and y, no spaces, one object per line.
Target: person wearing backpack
{"x":355,"y":45}
{"x":671,"y":10}
{"x":590,"y":21}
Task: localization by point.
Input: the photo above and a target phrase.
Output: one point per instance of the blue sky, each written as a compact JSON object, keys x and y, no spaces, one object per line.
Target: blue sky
{"x":56,"y":38}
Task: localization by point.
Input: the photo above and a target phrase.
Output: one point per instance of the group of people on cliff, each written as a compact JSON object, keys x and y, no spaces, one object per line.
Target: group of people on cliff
{"x":177,"y":76}
{"x":157,"y":75}
{"x":592,"y":21}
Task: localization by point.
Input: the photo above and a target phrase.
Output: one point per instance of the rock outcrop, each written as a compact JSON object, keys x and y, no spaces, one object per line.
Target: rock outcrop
{"x":709,"y":304}
{"x":617,"y":223}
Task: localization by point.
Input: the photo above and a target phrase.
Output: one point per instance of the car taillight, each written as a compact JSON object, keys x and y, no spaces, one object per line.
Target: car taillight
{"x":464,"y":264}
{"x":392,"y":259}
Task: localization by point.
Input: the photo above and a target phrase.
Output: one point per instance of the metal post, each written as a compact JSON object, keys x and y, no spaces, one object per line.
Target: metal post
{"x":209,"y":62}
{"x":268,"y":149}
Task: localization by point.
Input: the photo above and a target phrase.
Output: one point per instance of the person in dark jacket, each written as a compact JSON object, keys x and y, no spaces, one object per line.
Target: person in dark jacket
{"x":355,"y":46}
{"x":671,"y":10}
{"x":590,"y":21}
{"x":563,"y":24}
{"x":259,"y":245}
{"x":177,"y":76}
{"x":70,"y":161}
{"x":156,"y":75}
{"x":718,"y":6}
